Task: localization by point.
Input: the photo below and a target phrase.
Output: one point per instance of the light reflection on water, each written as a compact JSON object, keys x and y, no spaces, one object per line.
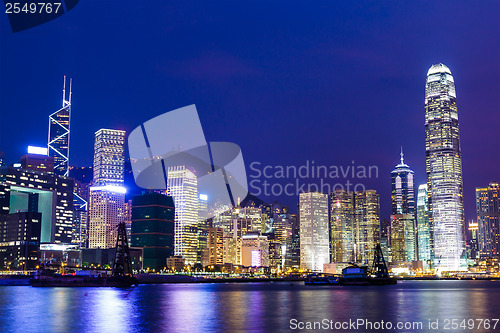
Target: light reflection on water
{"x":254,"y":307}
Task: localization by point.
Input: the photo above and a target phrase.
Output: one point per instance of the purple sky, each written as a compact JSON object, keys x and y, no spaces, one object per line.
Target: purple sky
{"x":287,"y":81}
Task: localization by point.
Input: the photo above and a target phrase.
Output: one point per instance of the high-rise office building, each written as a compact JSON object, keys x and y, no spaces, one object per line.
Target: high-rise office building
{"x":109,"y":157}
{"x":314,"y":231}
{"x":488,"y":220}
{"x":20,"y":240}
{"x":403,"y":238}
{"x":444,"y":168}
{"x":107,"y":195}
{"x":367,"y":225}
{"x":153,"y":228}
{"x":403,"y":190}
{"x":43,"y":192}
{"x":182,"y":185}
{"x":59,"y":132}
{"x":2,"y":157}
{"x":342,"y":226}
{"x":424,"y":228}
{"x":215,"y":246}
{"x":83,"y":178}
{"x":254,"y":250}
{"x":473,"y":241}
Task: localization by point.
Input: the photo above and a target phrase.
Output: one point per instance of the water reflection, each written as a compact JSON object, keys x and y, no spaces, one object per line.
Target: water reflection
{"x":266,"y":307}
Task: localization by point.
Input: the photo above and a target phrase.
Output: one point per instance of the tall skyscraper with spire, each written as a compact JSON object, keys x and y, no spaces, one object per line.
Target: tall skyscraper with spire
{"x":444,"y":168}
{"x":59,"y":131}
{"x":403,"y":189}
{"x":403,"y":236}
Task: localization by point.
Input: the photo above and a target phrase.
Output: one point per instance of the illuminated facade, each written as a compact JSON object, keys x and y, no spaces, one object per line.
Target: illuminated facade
{"x":254,"y":250}
{"x":109,"y":157}
{"x":107,"y":195}
{"x":59,"y":132}
{"x":403,"y":247}
{"x":403,"y":190}
{"x":342,"y":226}
{"x":424,"y":228}
{"x":367,"y":225}
{"x":403,"y":237}
{"x":43,"y":192}
{"x":314,"y":232}
{"x":20,"y":240}
{"x":215,"y":246}
{"x":488,"y":220}
{"x":107,"y":205}
{"x":182,"y":185}
{"x":444,"y":168}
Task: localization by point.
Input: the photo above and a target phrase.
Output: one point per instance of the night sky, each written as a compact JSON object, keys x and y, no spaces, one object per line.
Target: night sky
{"x":331,"y":81}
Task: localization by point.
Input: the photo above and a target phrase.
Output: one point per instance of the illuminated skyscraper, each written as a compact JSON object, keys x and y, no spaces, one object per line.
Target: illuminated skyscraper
{"x":109,"y":157}
{"x":342,"y":226}
{"x":403,"y":238}
{"x":424,"y":228}
{"x":367,"y":225}
{"x":314,"y":233}
{"x":107,"y":195}
{"x":444,"y":168}
{"x":59,"y":131}
{"x":182,"y":185}
{"x":488,"y":219}
{"x":403,"y":191}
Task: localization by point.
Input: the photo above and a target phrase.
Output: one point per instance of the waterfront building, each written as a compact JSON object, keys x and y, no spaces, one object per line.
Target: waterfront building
{"x":403,"y":242}
{"x":473,"y":241}
{"x":215,"y":246}
{"x":107,"y":194}
{"x":403,"y":190}
{"x":254,"y":250}
{"x":109,"y":157}
{"x":424,"y":228}
{"x":342,"y":223}
{"x":182,"y":185}
{"x":82,"y":177}
{"x":488,"y":219}
{"x":367,"y":225}
{"x":403,"y":234}
{"x":152,"y":228}
{"x":314,"y":231}
{"x":231,"y":249}
{"x":43,"y":192}
{"x":59,"y":132}
{"x":444,"y":168}
{"x":20,"y":240}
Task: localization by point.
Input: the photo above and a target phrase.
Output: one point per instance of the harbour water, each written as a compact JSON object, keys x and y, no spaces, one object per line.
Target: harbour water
{"x":252,"y":307}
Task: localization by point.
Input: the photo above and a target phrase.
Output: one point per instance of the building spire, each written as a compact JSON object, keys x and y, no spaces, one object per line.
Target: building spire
{"x":402,"y":159}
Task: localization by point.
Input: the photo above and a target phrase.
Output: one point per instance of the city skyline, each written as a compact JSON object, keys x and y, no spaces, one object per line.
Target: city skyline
{"x":308,"y":82}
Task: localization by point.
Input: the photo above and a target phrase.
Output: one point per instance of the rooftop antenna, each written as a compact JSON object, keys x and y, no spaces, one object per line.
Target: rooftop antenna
{"x":402,"y":159}
{"x":70,"y":90}
{"x":64,"y":91}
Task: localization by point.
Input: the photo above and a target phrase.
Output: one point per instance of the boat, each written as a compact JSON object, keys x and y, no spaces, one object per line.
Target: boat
{"x":121,"y":274}
{"x":354,"y":274}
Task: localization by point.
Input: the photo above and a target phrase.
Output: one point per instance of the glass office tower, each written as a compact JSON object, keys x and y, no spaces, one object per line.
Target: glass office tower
{"x":444,"y":168}
{"x":59,"y":130}
{"x":314,"y":233}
